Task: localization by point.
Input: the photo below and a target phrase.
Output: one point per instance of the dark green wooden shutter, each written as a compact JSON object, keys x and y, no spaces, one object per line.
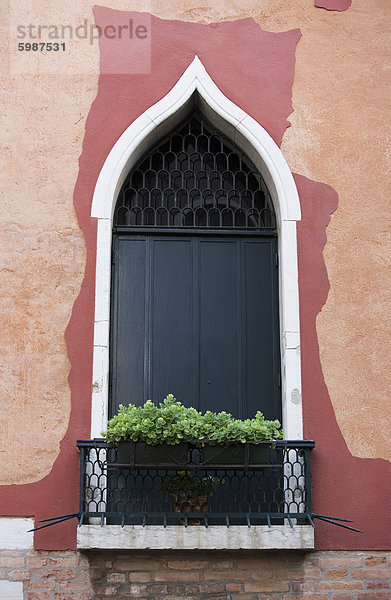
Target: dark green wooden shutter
{"x":196,"y":316}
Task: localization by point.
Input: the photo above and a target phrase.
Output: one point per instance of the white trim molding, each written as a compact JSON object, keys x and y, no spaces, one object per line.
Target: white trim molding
{"x":252,"y":138}
{"x":11,"y":590}
{"x":215,"y":537}
{"x":16,"y":533}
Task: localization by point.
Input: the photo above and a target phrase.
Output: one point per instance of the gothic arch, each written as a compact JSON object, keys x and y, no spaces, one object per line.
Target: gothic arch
{"x":267,"y":157}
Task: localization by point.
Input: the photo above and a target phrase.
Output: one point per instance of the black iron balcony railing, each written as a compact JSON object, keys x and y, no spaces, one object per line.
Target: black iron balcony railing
{"x":272,"y":488}
{"x":253,"y":484}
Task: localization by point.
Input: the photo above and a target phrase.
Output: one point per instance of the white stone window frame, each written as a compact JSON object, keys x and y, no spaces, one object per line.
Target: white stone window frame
{"x":254,"y":140}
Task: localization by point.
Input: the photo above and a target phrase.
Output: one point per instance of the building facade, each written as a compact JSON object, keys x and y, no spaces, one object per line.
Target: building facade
{"x":96,"y":133}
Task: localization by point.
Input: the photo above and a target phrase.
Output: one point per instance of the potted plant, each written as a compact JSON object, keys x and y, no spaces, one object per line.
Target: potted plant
{"x":153,"y":434}
{"x":162,"y":434}
{"x":190,"y":493}
{"x":226,"y":437}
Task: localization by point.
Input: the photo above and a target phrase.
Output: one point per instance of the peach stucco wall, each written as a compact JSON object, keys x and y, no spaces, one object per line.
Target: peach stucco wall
{"x":338,"y":136}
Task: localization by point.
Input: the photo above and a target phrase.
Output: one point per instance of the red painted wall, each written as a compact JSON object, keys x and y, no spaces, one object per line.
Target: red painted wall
{"x":255,"y":69}
{"x":342,"y":485}
{"x":338,"y":5}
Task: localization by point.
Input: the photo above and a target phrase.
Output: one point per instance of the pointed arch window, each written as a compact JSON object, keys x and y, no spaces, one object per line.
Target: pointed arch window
{"x":195,"y":278}
{"x":252,"y":139}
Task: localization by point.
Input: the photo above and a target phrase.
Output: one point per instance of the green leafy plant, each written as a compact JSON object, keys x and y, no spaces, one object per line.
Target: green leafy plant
{"x":187,"y":484}
{"x":172,"y":423}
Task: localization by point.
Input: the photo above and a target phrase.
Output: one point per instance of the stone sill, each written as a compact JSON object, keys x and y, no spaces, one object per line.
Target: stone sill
{"x":152,"y":537}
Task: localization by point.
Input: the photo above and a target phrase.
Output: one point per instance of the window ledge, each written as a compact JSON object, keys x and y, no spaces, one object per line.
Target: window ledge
{"x":152,"y":537}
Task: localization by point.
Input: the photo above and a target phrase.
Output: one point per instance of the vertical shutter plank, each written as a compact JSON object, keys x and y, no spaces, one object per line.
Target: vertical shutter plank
{"x":262,"y":364}
{"x":128,"y":323}
{"x":219,"y":343}
{"x":171,"y":319}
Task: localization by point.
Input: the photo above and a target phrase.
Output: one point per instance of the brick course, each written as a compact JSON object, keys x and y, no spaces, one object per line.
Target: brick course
{"x":194,"y":575}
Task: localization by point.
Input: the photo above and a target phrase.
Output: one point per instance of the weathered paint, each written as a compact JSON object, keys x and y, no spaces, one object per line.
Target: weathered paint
{"x":39,"y":284}
{"x":312,"y":134}
{"x":338,"y":138}
{"x":124,"y":98}
{"x":328,"y":103}
{"x":342,"y":485}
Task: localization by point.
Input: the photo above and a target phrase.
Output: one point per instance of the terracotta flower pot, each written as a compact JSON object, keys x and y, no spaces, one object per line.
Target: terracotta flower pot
{"x":188,"y":504}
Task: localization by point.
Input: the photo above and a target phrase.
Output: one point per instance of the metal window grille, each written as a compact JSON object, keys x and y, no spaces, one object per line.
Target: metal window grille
{"x":268,"y":493}
{"x":195,"y":178}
